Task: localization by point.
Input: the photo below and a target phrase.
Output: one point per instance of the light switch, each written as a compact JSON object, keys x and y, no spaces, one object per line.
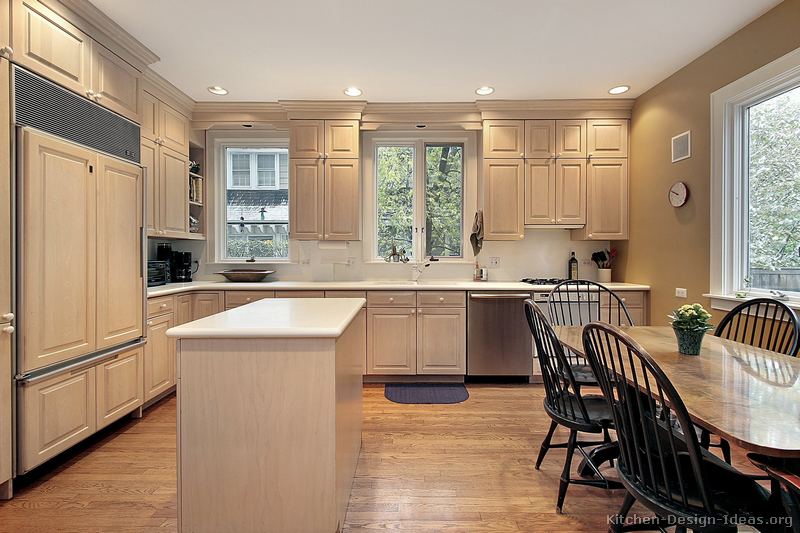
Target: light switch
{"x":680,"y":292}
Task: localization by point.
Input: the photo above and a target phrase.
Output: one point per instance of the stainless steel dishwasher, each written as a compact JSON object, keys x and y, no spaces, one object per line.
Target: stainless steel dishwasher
{"x":498,"y":339}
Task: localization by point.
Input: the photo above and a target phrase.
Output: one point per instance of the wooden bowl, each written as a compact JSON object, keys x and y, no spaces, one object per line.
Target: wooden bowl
{"x":245,"y":275}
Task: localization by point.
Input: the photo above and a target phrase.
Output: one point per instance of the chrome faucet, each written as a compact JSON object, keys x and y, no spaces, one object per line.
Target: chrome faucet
{"x":395,"y":256}
{"x":418,"y":268}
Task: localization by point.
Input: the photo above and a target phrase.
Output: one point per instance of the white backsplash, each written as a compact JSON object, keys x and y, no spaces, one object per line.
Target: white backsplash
{"x":543,"y":253}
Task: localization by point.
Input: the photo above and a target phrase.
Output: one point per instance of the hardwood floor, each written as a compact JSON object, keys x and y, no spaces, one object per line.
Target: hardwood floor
{"x":425,"y":468}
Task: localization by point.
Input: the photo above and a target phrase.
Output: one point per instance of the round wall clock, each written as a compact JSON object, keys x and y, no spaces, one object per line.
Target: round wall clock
{"x":678,"y":194}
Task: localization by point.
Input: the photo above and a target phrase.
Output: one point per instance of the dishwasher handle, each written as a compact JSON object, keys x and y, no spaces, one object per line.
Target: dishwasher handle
{"x":498,"y":296}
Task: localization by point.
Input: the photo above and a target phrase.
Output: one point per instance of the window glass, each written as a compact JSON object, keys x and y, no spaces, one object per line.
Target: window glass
{"x":395,"y":199}
{"x":265,"y":167}
{"x":773,"y":188}
{"x":444,"y":199}
{"x":240,"y":170}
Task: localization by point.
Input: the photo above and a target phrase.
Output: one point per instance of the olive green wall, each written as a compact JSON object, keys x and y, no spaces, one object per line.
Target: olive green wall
{"x":669,"y":247}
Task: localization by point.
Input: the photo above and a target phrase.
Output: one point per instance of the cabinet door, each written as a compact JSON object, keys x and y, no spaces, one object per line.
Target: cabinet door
{"x":46,"y":43}
{"x":59,"y":254}
{"x":571,"y":139}
{"x":6,"y":226}
{"x":540,"y":139}
{"x":299,"y":294}
{"x":503,"y":199}
{"x":119,"y":386}
{"x":342,"y":213}
{"x":119,"y":252}
{"x":607,"y":200}
{"x":571,"y":192}
{"x":174,"y":202}
{"x":173,"y":129}
{"x":183,"y":309}
{"x":306,"y":198}
{"x":391,"y":341}
{"x":503,"y":139}
{"x":5,"y":404}
{"x":540,"y":191}
{"x":115,"y":83}
{"x":341,"y":139}
{"x":442,"y":341}
{"x":206,"y":304}
{"x":234,"y":299}
{"x":159,"y":357}
{"x":607,"y":138}
{"x":55,"y":414}
{"x":150,"y":163}
{"x":149,"y":124}
{"x":306,"y":139}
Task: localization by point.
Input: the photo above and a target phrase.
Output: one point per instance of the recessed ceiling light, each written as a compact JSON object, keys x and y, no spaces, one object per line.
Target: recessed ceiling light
{"x":484,"y":91}
{"x":219,"y":91}
{"x":619,"y":89}
{"x":352,"y":91}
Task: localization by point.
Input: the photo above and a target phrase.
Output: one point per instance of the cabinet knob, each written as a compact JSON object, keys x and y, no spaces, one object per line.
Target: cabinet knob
{"x":327,"y":155}
{"x":559,"y":154}
{"x":552,"y":220}
{"x":149,"y":322}
{"x":6,"y":51}
{"x":559,"y":220}
{"x":8,"y":317}
{"x":590,"y":235}
{"x":163,"y":306}
{"x":553,"y":154}
{"x":391,"y":300}
{"x":441,"y":299}
{"x":623,"y":300}
{"x":97,"y":96}
{"x":522,"y":236}
{"x":90,"y":93}
{"x":319,"y":154}
{"x":320,"y":235}
{"x":8,"y":329}
{"x":247,"y":299}
{"x":522,"y":154}
{"x":414,"y":312}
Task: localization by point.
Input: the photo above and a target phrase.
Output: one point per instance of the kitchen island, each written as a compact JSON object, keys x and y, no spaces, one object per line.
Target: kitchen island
{"x":269,"y":415}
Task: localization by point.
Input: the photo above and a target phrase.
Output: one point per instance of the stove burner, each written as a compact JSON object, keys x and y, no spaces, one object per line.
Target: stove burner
{"x":542,"y":281}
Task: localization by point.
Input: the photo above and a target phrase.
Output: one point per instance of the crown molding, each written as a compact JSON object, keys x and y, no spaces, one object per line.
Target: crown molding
{"x":436,"y":115}
{"x":550,"y":109}
{"x":233,"y":114}
{"x":324,"y":109}
{"x":161,"y":87}
{"x":103,"y":29}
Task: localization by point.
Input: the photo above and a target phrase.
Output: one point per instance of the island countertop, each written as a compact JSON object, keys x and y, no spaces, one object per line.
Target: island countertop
{"x":296,"y":317}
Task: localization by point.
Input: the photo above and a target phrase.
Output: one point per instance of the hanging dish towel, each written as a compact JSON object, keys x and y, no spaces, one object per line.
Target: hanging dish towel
{"x":476,"y":238}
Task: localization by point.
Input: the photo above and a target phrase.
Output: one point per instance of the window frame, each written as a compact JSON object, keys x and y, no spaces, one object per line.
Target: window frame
{"x":729,"y":173}
{"x":419,"y":140}
{"x":253,"y":153}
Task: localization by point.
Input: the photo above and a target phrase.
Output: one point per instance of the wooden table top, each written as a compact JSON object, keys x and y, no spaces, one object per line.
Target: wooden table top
{"x":747,"y":395}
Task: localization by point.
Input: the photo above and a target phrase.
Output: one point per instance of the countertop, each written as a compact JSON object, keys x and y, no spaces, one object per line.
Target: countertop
{"x":285,"y":317}
{"x":372,"y":285}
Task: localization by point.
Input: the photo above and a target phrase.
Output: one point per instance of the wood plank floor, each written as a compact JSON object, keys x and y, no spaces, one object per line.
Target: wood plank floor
{"x":425,"y":468}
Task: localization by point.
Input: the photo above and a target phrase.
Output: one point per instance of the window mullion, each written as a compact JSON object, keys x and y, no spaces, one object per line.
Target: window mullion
{"x":419,"y":201}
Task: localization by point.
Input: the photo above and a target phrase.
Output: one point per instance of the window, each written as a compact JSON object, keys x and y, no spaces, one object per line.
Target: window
{"x":755,"y":185}
{"x":257,"y":203}
{"x":419,"y":199}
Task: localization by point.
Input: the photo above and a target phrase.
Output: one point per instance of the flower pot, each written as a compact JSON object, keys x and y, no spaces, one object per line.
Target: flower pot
{"x":689,"y":340}
{"x":604,"y":275}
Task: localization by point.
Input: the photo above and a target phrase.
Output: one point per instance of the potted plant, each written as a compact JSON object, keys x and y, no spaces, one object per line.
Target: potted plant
{"x":690,"y":323}
{"x":603,"y":260}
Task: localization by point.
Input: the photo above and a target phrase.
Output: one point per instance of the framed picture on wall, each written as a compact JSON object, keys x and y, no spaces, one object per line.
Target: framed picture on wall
{"x":682,"y":146}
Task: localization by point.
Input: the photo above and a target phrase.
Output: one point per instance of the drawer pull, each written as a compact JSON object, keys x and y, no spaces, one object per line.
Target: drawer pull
{"x":163,"y":306}
{"x":391,"y":300}
{"x":441,"y":299}
{"x":8,"y":317}
{"x":8,"y":329}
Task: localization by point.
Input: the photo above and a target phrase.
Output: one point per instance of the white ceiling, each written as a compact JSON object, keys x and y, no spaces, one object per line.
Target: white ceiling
{"x":426,"y":50}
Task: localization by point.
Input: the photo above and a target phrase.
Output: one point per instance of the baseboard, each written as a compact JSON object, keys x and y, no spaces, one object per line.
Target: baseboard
{"x":413,"y":379}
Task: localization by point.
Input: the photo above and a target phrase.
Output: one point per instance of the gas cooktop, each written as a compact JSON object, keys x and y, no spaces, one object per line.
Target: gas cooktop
{"x":542,"y":281}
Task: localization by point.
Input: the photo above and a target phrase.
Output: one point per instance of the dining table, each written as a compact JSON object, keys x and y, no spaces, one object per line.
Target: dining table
{"x":747,"y":395}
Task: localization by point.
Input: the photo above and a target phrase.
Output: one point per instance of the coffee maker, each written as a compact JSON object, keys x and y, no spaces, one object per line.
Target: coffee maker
{"x":181,"y":267}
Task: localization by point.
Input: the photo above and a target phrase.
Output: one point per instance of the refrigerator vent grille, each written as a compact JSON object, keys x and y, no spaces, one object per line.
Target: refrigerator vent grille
{"x":45,"y":106}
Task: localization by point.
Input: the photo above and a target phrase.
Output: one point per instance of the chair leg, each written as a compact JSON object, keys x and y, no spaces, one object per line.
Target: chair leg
{"x":618,"y":521}
{"x":705,"y":439}
{"x":546,"y":444}
{"x":564,"y":483}
{"x":726,"y":450}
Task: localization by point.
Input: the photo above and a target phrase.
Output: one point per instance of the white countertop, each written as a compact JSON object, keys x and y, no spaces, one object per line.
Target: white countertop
{"x":285,"y":317}
{"x":372,"y":285}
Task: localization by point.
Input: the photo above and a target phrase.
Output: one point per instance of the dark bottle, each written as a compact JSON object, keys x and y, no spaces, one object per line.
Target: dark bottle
{"x":573,"y":267}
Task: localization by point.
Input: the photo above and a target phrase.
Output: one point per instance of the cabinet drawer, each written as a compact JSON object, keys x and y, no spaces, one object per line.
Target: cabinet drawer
{"x":299,"y":294}
{"x":56,"y":413}
{"x":119,"y":386}
{"x":391,"y":299}
{"x":630,"y":299}
{"x":237,"y":298}
{"x":159,"y":306}
{"x":346,"y":294}
{"x":441,"y":299}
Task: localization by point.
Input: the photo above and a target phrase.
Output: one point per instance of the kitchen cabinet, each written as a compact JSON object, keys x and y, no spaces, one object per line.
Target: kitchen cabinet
{"x":6,"y":316}
{"x":322,"y":139}
{"x":6,"y":440}
{"x":391,"y":341}
{"x":59,"y":412}
{"x":571,"y":139}
{"x":607,"y":201}
{"x":635,"y":302}
{"x":206,"y":304}
{"x":391,"y":299}
{"x":607,"y":138}
{"x":149,"y":125}
{"x":235,"y":299}
{"x":299,"y":294}
{"x":540,"y":191}
{"x":119,"y":386}
{"x":149,"y":160}
{"x":183,"y":309}
{"x":441,"y":299}
{"x":571,"y":191}
{"x":324,"y":199}
{"x":346,"y":294}
{"x":342,"y":200}
{"x":164,"y":125}
{"x":159,"y":357}
{"x":442,"y":341}
{"x":58,"y":204}
{"x":160,"y":305}
{"x":503,"y":199}
{"x":540,"y":139}
{"x":167,"y":174}
{"x":51,"y":46}
{"x":503,"y":139}
{"x":119,"y":240}
{"x":306,"y":192}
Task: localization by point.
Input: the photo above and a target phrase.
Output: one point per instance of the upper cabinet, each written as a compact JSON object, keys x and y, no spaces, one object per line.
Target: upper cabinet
{"x":503,"y":139}
{"x":163,"y":125}
{"x":607,"y":138}
{"x":503,"y":199}
{"x":341,"y":200}
{"x":607,"y":201}
{"x":46,"y":43}
{"x":571,"y":139}
{"x":540,"y":139}
{"x":322,"y":139}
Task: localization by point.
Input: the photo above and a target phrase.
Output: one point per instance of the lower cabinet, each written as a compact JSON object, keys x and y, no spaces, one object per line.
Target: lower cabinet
{"x":183,"y":309}
{"x":299,"y":294}
{"x":391,"y":341}
{"x":119,"y":386}
{"x":235,"y":299}
{"x":159,"y":357}
{"x":206,"y":304}
{"x":442,"y":341}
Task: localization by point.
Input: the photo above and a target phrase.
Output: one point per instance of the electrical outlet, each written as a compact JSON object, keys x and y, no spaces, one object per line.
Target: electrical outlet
{"x":494,"y":261}
{"x":681,"y":292}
